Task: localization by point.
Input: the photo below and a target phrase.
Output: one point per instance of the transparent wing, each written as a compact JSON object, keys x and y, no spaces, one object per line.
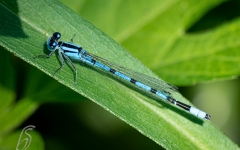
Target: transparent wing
{"x":150,"y":81}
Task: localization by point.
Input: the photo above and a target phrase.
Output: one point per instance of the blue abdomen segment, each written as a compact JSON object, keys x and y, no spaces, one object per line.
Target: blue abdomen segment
{"x":161,"y":95}
{"x":102,"y":66}
{"x":95,"y":63}
{"x":141,"y":85}
{"x":123,"y":76}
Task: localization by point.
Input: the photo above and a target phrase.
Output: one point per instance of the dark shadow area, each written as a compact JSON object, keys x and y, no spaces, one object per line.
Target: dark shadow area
{"x":10,"y":22}
{"x":60,"y":124}
{"x":7,"y":71}
{"x":226,"y":11}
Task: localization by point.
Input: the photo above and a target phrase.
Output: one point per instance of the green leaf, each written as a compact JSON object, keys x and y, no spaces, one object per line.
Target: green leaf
{"x":11,"y":114}
{"x":16,"y":114}
{"x":155,"y":32}
{"x":11,"y":141}
{"x":28,"y":24}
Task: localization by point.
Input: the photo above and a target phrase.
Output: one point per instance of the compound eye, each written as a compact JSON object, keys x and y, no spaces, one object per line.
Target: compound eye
{"x":56,"y":36}
{"x":54,"y":45}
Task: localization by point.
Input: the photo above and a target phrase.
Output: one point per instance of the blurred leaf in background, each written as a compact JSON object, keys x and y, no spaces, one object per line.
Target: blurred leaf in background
{"x":159,"y":32}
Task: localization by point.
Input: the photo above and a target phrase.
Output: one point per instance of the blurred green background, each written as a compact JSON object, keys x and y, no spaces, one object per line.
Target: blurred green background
{"x":94,"y":127}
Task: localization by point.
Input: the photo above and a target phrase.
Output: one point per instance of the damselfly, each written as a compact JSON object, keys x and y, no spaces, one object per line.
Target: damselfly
{"x":68,"y":51}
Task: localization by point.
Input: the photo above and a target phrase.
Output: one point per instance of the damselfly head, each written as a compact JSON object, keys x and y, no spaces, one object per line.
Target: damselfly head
{"x":53,"y":41}
{"x":56,"y":36}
